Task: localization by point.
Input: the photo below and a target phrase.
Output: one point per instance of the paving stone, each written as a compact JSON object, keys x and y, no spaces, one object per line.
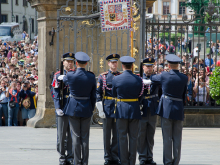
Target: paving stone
{"x":30,"y":146}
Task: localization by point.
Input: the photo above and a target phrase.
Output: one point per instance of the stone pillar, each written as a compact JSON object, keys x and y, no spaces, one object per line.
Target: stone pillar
{"x":47,"y":19}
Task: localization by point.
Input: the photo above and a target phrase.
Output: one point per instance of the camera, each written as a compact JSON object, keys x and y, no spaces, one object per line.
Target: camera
{"x":25,"y":86}
{"x":5,"y":86}
{"x":15,"y":76}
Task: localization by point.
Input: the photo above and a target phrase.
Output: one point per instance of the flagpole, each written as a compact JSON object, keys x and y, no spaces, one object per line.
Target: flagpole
{"x":132,"y":33}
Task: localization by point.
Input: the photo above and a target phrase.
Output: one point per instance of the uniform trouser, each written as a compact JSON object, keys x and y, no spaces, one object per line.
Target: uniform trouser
{"x":110,"y":142}
{"x":80,"y":127}
{"x":147,"y":126}
{"x":128,"y":130}
{"x":172,"y":137}
{"x":64,"y":136}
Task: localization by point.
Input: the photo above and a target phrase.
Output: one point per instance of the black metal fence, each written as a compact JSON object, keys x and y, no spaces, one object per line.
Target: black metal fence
{"x":195,"y":42}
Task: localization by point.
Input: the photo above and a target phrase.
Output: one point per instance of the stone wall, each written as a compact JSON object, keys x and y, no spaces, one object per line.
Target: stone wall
{"x":203,"y":117}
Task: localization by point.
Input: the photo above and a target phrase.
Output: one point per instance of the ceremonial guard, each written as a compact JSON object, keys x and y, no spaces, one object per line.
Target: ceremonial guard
{"x":127,"y":90}
{"x":171,"y":109}
{"x":64,"y":141}
{"x":80,"y":106}
{"x":106,"y":106}
{"x":147,"y":124}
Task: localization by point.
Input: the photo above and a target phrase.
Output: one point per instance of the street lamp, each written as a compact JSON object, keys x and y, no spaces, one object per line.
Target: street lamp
{"x":23,"y":21}
{"x":30,"y":21}
{"x":13,"y":18}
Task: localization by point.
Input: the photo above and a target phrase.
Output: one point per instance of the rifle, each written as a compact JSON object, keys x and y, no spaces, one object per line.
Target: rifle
{"x":51,"y":76}
{"x":141,"y":68}
{"x":141,"y":75}
{"x":61,"y":86}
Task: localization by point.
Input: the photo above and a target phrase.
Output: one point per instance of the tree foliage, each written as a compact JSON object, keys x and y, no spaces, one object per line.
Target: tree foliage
{"x":201,"y":16}
{"x":214,"y":85}
{"x":196,"y":5}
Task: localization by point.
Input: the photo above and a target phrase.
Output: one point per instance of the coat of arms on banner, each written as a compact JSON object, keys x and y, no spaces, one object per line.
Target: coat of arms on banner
{"x":115,"y":15}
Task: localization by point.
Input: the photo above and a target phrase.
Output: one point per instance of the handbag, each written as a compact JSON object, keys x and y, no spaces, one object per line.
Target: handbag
{"x":12,"y":104}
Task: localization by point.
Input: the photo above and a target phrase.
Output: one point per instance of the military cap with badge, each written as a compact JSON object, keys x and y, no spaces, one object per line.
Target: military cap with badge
{"x":149,"y":61}
{"x":69,"y":56}
{"x":113,"y":57}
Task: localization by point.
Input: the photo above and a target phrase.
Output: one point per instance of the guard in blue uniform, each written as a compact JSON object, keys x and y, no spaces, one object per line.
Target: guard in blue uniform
{"x":147,"y":124}
{"x":63,"y":129}
{"x":171,"y":109}
{"x":80,"y":106}
{"x":127,"y":88}
{"x":104,"y":95}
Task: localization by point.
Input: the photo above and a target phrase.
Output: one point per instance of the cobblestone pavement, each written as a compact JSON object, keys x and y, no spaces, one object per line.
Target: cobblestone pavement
{"x":30,"y":146}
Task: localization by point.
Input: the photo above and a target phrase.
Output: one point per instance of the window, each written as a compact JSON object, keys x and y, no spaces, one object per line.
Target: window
{"x":150,"y":10}
{"x":4,"y":18}
{"x":16,"y":2}
{"x":32,"y":24}
{"x":17,"y":18}
{"x":25,"y":3}
{"x":4,"y":1}
{"x":166,"y":9}
{"x":182,"y":8}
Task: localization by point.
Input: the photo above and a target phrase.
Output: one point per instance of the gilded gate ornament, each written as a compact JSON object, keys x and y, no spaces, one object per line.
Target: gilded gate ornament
{"x":101,"y":63}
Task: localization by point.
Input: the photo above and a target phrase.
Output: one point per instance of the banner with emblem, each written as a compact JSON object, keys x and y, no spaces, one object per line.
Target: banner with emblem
{"x":115,"y":15}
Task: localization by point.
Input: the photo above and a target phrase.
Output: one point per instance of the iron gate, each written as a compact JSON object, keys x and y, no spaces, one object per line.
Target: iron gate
{"x":78,"y":23}
{"x":192,"y":39}
{"x":79,"y":29}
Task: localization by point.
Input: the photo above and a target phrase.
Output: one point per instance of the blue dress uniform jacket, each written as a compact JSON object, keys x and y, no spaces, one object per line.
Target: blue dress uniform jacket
{"x":102,"y":91}
{"x":81,"y":84}
{"x":56,"y":90}
{"x":151,"y":103}
{"x":174,"y":84}
{"x":127,"y":86}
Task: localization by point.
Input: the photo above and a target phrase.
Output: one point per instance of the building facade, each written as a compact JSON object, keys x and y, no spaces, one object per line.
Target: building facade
{"x":20,"y":11}
{"x":174,"y":7}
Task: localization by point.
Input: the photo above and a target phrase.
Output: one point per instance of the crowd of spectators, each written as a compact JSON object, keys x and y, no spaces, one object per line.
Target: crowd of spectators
{"x":194,"y":65}
{"x":18,"y":81}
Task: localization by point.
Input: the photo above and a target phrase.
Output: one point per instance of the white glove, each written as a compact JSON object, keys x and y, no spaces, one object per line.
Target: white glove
{"x":147,"y":82}
{"x":102,"y":115}
{"x":61,"y":77}
{"x":100,"y":109}
{"x":59,"y":112}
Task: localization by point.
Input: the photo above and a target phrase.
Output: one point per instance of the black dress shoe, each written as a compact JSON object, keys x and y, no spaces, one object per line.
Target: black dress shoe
{"x":119,"y":162}
{"x":142,"y":162}
{"x":62,"y":163}
{"x":107,"y":162}
{"x":115,"y":162}
{"x":71,"y":162}
{"x":151,"y":162}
